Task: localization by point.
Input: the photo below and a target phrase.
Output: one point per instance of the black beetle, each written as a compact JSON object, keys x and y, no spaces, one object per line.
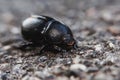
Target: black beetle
{"x":47,"y":31}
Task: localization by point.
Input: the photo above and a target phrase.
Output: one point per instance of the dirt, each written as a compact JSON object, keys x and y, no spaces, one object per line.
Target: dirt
{"x":95,"y":26}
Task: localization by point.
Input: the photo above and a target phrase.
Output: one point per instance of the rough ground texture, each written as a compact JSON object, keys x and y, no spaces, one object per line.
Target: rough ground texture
{"x":95,"y":25}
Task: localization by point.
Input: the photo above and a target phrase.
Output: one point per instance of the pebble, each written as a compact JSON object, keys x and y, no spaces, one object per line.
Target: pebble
{"x":76,"y":59}
{"x":15,"y":30}
{"x":19,"y":60}
{"x":62,"y":78}
{"x":4,"y":76}
{"x":100,"y":76}
{"x":16,"y":68}
{"x":90,"y":54}
{"x":6,"y":47}
{"x":39,"y":74}
{"x":103,"y":76}
{"x":2,"y":52}
{"x":92,"y":69}
{"x":78,"y":66}
{"x":27,"y":77}
{"x":114,"y":30}
{"x":92,"y":13}
{"x":42,"y":58}
{"x":87,"y":63}
{"x":98,"y":47}
{"x":3,"y":29}
{"x":79,"y":44}
{"x":111,"y":14}
{"x":106,"y":16}
{"x":42,"y":74}
{"x":4,"y":66}
{"x":8,"y":18}
{"x":111,"y":45}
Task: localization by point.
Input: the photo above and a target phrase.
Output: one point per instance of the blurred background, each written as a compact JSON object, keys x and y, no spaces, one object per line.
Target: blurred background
{"x":75,"y":13}
{"x":20,"y":9}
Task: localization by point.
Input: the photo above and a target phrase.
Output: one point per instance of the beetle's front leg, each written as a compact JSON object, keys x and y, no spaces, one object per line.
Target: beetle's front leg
{"x":59,"y":49}
{"x":75,"y":46}
{"x":24,"y":46}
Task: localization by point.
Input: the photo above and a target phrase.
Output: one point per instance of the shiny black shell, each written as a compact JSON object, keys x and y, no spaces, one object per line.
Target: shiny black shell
{"x":33,"y":27}
{"x":46,"y":30}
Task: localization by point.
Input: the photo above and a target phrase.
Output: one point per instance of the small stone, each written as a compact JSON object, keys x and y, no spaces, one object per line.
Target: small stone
{"x":3,"y":29}
{"x":4,"y":76}
{"x":91,"y":54}
{"x":57,"y":71}
{"x":76,"y":59}
{"x":4,"y":65}
{"x":49,"y":78}
{"x":78,"y":66}
{"x":87,"y":63}
{"x":115,"y":72}
{"x":114,"y":30}
{"x":2,"y":52}
{"x":111,"y":14}
{"x":27,"y":77}
{"x":15,"y":30}
{"x":100,"y":76}
{"x":39,"y":74}
{"x":92,"y":69}
{"x":8,"y":18}
{"x":98,"y":47}
{"x":92,"y":13}
{"x":34,"y":78}
{"x":19,"y":60}
{"x":16,"y":68}
{"x":42,"y":59}
{"x":107,"y":16}
{"x":106,"y":62}
{"x":42,"y":74}
{"x":6,"y":47}
{"x":62,"y":78}
{"x":103,"y":76}
{"x":111,"y":45}
{"x":79,"y":43}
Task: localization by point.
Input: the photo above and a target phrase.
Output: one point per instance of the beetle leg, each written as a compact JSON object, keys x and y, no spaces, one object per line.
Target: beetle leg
{"x":21,"y":45}
{"x":24,"y":46}
{"x":75,"y":46}
{"x":59,"y":49}
{"x":42,"y":48}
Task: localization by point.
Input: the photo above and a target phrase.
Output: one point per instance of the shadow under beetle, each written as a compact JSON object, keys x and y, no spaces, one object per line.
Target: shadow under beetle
{"x":47,"y":33}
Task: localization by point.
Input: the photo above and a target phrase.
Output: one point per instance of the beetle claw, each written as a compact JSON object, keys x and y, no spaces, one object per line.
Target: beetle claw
{"x":75,"y":46}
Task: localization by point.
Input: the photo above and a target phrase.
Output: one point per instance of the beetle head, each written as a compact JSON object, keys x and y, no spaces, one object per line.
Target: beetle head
{"x":69,"y":41}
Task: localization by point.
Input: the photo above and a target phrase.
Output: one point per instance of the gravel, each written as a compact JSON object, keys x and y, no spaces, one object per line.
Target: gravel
{"x":95,"y":26}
